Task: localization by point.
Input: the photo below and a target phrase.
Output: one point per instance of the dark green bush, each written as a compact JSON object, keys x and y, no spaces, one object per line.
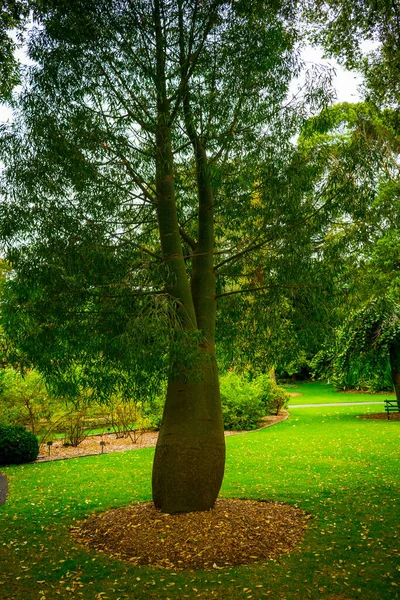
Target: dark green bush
{"x":17,"y":445}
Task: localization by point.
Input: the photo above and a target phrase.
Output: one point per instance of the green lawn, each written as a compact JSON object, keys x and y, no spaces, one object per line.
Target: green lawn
{"x":343,"y":470}
{"x":319,"y":393}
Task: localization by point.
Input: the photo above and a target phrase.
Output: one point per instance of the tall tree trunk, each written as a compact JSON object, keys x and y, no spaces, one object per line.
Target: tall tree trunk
{"x":394,"y":354}
{"x":190,"y":452}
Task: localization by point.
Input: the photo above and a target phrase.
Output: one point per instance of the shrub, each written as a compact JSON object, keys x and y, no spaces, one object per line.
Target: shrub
{"x":153,"y":411}
{"x":277,"y":401}
{"x":76,"y":428}
{"x":274,"y":398}
{"x":126,"y":418}
{"x":241,"y":407}
{"x":17,"y":445}
{"x":24,"y":400}
{"x":245,"y":402}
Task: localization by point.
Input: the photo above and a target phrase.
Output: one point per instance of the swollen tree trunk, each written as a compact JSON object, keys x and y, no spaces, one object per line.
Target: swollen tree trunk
{"x":190,"y":452}
{"x":394,"y":354}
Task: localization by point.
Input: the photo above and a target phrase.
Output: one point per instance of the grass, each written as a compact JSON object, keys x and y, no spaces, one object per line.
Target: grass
{"x":343,"y":470}
{"x":320,"y":393}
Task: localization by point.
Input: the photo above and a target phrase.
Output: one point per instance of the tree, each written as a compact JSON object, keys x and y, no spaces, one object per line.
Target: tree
{"x":372,"y":332}
{"x":355,"y":149}
{"x":342,"y":26}
{"x":13,"y":16}
{"x":143,"y":135}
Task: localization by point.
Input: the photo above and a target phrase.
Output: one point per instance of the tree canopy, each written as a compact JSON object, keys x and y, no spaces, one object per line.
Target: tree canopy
{"x":84,"y":205}
{"x":343,"y":26}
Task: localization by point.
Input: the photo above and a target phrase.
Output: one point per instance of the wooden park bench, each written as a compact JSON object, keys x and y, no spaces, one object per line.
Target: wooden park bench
{"x":390,"y":406}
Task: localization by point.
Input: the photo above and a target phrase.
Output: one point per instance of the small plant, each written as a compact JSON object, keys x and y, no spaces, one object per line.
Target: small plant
{"x":130,"y":418}
{"x":75,"y":428}
{"x":274,"y":398}
{"x":277,"y":402}
{"x":17,"y":445}
{"x":123,"y":420}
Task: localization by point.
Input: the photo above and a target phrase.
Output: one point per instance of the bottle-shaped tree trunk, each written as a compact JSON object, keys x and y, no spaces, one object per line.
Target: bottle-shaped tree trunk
{"x":190,"y":453}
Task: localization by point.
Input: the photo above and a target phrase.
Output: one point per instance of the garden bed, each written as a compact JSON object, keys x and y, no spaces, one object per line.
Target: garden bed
{"x":91,"y":445}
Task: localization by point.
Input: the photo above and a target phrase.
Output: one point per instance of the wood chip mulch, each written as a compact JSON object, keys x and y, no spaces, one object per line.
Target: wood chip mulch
{"x":394,"y":416}
{"x":234,"y":532}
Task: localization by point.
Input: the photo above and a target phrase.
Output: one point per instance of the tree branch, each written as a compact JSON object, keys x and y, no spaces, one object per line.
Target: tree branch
{"x":187,"y":238}
{"x":260,"y":289}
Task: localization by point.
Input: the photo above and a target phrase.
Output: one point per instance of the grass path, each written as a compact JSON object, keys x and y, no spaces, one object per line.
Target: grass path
{"x":343,"y":470}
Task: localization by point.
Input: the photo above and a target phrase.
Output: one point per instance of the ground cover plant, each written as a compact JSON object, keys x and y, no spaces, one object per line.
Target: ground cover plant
{"x":342,"y":470}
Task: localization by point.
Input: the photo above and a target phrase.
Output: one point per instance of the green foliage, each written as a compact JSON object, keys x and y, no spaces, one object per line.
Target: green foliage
{"x":13,"y":16}
{"x":241,"y":407}
{"x":276,"y":401}
{"x":128,"y":418}
{"x":24,"y":399}
{"x":90,"y":280}
{"x":153,"y":411}
{"x":342,"y":27}
{"x":17,"y":445}
{"x":376,"y":326}
{"x":245,"y":401}
{"x":359,"y":354}
{"x":354,"y":150}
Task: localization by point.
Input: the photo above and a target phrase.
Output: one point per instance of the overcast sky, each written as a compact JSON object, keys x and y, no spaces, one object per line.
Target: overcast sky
{"x":345,"y":82}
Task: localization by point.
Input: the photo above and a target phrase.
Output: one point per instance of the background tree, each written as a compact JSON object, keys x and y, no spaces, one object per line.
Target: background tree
{"x":342,"y":26}
{"x":357,"y":150}
{"x":13,"y":18}
{"x":371,"y":333}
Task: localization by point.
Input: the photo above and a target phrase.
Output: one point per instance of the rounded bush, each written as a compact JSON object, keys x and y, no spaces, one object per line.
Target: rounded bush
{"x":245,"y":401}
{"x":17,"y":445}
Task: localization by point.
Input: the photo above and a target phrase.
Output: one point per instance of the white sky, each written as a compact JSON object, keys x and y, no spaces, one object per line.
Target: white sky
{"x":345,"y":82}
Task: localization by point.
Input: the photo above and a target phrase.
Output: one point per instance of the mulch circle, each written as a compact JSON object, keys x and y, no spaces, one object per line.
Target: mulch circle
{"x":234,"y":532}
{"x":394,"y":416}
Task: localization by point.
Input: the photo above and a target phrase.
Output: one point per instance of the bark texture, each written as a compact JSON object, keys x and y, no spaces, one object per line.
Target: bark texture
{"x":190,"y":453}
